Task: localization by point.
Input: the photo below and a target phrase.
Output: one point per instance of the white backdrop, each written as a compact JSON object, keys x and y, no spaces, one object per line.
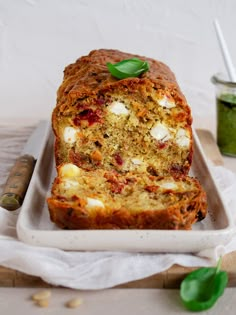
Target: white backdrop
{"x":38,"y":38}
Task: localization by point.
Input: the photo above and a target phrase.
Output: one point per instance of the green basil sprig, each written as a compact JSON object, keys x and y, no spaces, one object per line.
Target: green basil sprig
{"x":128,"y":68}
{"x":201,"y":288}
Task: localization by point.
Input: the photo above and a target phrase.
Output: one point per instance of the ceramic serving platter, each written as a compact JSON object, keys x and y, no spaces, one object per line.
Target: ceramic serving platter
{"x":34,"y":226}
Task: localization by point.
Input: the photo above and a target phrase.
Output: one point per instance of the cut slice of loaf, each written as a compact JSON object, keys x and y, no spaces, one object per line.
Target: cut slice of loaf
{"x":136,"y":124}
{"x":103,"y":199}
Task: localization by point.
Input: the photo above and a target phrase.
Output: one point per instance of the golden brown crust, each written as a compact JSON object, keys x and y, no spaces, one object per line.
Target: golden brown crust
{"x":173,"y":218}
{"x":89,"y":74}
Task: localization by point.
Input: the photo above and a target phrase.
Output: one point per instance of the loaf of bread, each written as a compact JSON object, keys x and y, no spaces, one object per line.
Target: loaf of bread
{"x":140,"y":124}
{"x":106,"y":199}
{"x":123,"y":149}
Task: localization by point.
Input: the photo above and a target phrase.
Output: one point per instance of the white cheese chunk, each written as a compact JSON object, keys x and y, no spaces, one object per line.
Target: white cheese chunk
{"x":182,"y":138}
{"x":169,"y":185}
{"x":166,"y":102}
{"x":183,"y":141}
{"x":136,"y":161}
{"x":160,"y":132}
{"x":68,"y":184}
{"x":118,"y":108}
{"x":70,"y":135}
{"x":181,"y":132}
{"x":92,"y":202}
{"x":69,"y":170}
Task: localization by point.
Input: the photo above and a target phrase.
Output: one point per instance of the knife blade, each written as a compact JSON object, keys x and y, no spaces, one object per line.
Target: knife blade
{"x":20,"y":174}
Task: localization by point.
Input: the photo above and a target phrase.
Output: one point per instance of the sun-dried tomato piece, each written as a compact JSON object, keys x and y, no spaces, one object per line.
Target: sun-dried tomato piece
{"x":79,"y":159}
{"x":117,"y":188}
{"x":117,"y":185}
{"x":92,"y":116}
{"x":161,"y":145}
{"x":100,"y":101}
{"x":118,"y":159}
{"x":152,"y":188}
{"x":176,"y":169}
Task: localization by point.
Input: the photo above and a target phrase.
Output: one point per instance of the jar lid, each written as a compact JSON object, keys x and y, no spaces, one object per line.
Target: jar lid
{"x":219,"y":79}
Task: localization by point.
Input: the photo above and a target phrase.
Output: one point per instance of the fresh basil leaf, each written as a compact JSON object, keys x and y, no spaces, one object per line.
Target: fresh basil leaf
{"x":128,"y":68}
{"x":201,"y":288}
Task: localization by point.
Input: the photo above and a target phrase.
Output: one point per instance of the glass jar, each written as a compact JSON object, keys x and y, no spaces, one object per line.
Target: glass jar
{"x":226,"y":114}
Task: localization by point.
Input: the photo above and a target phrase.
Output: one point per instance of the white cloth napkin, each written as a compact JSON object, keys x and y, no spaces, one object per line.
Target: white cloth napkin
{"x":100,"y":270}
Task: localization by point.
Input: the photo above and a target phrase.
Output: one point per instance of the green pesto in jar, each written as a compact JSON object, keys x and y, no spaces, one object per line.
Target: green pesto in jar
{"x":226,"y":127}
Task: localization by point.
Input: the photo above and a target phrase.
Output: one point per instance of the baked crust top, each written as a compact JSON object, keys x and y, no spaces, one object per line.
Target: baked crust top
{"x":89,"y":74}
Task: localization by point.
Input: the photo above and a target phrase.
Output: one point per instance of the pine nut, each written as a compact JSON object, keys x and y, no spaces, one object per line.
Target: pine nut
{"x":74,"y":303}
{"x":42,"y":303}
{"x":41,"y":295}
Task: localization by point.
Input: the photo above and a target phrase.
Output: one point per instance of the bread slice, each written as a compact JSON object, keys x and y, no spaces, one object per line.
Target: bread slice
{"x":105,"y":199}
{"x":138,"y":124}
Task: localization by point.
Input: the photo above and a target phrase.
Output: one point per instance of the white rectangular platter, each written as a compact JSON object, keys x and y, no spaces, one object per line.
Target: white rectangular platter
{"x":34,"y":226}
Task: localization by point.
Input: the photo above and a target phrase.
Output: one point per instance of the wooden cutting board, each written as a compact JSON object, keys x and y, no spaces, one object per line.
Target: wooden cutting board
{"x":170,"y":278}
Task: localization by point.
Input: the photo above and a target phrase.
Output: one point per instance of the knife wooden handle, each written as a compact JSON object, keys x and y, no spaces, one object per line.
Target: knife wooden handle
{"x":17,"y":183}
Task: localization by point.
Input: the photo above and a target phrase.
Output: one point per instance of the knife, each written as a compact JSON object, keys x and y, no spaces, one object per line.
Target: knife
{"x":20,"y":174}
